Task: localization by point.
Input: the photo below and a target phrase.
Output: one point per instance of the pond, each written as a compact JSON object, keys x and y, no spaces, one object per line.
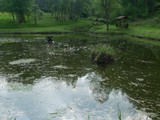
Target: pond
{"x":59,"y":82}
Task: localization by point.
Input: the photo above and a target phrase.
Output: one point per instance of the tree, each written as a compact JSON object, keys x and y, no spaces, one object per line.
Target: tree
{"x":69,"y":9}
{"x":44,"y":5}
{"x":139,"y":8}
{"x":1,"y":5}
{"x":18,"y":8}
{"x":109,"y":6}
{"x":36,"y":13}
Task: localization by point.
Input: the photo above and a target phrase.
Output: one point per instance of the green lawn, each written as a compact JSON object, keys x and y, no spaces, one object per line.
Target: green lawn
{"x":46,"y":24}
{"x":144,"y":28}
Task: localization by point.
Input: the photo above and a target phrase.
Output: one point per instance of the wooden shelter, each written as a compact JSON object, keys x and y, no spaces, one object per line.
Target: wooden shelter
{"x":122,"y":22}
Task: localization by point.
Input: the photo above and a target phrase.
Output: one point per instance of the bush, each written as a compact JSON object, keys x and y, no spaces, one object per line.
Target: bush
{"x":91,"y":18}
{"x":97,"y":21}
{"x":101,"y":20}
{"x":156,"y":20}
{"x":102,"y":54}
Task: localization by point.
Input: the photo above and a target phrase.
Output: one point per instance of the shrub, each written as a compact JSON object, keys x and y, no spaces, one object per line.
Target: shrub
{"x":102,"y":20}
{"x":102,"y":54}
{"x":91,"y":18}
{"x":156,"y":20}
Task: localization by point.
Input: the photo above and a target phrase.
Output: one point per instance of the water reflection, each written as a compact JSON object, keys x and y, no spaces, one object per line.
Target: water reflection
{"x":52,"y":99}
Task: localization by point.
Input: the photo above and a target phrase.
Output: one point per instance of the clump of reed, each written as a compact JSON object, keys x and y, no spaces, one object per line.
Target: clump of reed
{"x":103,"y":54}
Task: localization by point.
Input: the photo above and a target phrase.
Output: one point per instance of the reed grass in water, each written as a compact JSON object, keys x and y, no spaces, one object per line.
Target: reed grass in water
{"x":102,"y":54}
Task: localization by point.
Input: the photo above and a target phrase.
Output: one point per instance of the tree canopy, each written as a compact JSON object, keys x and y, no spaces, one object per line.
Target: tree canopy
{"x":63,"y":10}
{"x":18,"y":8}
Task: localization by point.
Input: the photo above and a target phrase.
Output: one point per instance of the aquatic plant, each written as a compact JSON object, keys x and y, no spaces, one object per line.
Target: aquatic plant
{"x":119,"y":113}
{"x":102,"y":54}
{"x":89,"y":116}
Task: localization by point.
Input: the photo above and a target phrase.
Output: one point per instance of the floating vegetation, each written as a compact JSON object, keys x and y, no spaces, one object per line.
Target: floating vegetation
{"x":119,"y":113}
{"x":103,"y":54}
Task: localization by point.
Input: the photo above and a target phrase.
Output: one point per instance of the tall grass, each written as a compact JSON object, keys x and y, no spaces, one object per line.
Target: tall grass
{"x":103,"y":49}
{"x":103,"y":53}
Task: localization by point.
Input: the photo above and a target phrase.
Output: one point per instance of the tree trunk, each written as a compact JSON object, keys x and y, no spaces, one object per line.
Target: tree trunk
{"x":21,"y":18}
{"x":13,"y":17}
{"x":107,"y":22}
{"x":35,"y":20}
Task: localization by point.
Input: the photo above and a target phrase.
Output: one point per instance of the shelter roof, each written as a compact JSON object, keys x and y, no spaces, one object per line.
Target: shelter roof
{"x":122,"y":17}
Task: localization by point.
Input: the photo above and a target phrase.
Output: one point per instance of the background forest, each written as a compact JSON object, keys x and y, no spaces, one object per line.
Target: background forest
{"x":80,"y":15}
{"x":74,"y":9}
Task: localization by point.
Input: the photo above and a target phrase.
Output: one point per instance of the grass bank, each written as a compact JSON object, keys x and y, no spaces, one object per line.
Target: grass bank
{"x":141,"y":28}
{"x":46,"y":24}
{"x":146,"y":29}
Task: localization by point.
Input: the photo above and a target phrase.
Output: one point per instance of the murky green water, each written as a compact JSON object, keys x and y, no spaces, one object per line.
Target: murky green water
{"x":59,"y":82}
